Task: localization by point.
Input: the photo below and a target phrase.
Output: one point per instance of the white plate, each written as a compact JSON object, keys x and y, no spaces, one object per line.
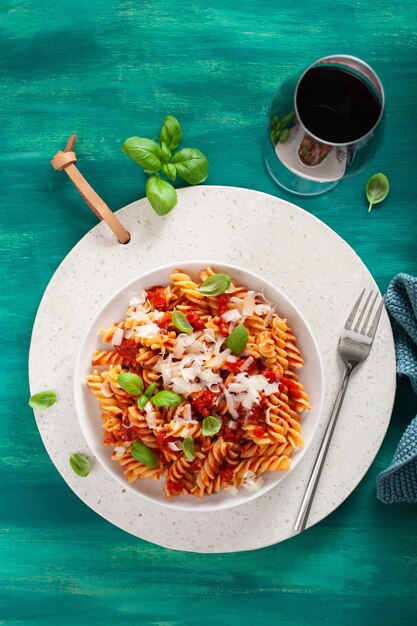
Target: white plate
{"x":318,"y":271}
{"x":87,"y":409}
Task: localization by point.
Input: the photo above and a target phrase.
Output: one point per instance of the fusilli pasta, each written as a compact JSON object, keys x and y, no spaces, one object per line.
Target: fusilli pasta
{"x":254,"y":396}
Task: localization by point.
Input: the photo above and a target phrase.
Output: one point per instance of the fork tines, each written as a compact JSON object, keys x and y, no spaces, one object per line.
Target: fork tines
{"x":365,"y":309}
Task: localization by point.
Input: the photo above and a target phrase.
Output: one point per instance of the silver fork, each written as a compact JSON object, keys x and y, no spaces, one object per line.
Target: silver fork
{"x":354,"y":346}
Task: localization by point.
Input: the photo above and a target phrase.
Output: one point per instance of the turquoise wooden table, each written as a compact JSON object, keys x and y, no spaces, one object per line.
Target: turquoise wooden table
{"x":109,"y":70}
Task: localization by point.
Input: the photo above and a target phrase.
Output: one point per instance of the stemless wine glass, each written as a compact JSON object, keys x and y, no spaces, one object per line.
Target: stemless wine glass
{"x":324,"y":124}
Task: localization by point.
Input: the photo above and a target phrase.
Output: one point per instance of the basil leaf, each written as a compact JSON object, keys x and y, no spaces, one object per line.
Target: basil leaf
{"x":132,"y":383}
{"x":188,"y":448}
{"x":150,"y":390}
{"x":80,"y":464}
{"x":377,"y":189}
{"x":144,"y":152}
{"x":286,"y":119}
{"x":166,"y":398}
{"x":284,"y":134}
{"x":42,"y":400}
{"x":211,"y":426}
{"x":275,"y":122}
{"x":169,"y":170}
{"x":171,"y":132}
{"x":143,"y":401}
{"x":237,"y":340}
{"x":165,"y":153}
{"x":161,"y":195}
{"x":143,"y":454}
{"x":215,"y":285}
{"x":180,"y":321}
{"x":191,"y":165}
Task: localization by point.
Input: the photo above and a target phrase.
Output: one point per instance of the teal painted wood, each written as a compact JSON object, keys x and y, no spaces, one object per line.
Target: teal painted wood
{"x":108,"y":70}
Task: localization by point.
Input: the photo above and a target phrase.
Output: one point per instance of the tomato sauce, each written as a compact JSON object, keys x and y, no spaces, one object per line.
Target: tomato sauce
{"x":204,"y":403}
{"x":292,"y":387}
{"x":165,"y":321}
{"x":156,"y":297}
{"x":128,"y":349}
{"x":227,"y":473}
{"x":195,"y":320}
{"x":222,"y":301}
{"x":235,"y":366}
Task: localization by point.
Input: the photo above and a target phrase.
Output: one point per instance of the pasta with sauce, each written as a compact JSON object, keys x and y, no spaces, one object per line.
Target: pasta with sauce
{"x":255,"y":395}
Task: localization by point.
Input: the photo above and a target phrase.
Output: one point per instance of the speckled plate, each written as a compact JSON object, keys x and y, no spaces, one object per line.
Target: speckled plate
{"x":318,"y":271}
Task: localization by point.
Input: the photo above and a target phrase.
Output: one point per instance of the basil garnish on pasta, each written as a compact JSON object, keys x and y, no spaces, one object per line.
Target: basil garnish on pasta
{"x":237,"y":340}
{"x":131,"y":383}
{"x":180,"y":321}
{"x":166,"y":398}
{"x":144,"y":455}
{"x":188,"y":448}
{"x":150,"y":390}
{"x":80,"y":464}
{"x":143,"y":401}
{"x":211,"y":426}
{"x":215,"y":285}
{"x":42,"y":400}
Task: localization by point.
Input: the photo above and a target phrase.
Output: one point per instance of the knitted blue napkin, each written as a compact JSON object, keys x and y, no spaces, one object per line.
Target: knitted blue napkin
{"x":398,"y":483}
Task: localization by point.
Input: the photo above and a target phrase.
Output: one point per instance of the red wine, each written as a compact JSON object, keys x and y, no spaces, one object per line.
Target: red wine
{"x":335,"y":105}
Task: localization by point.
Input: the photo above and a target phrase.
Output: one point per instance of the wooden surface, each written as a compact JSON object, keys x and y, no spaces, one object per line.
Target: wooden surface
{"x":109,"y":70}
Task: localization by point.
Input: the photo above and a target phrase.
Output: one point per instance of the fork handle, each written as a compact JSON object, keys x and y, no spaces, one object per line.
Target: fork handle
{"x":304,"y":511}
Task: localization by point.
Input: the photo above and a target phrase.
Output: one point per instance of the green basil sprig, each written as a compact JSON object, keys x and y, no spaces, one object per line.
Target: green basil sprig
{"x":237,"y":340}
{"x":377,"y":189}
{"x":181,"y":322}
{"x":150,"y":390}
{"x":215,"y":285}
{"x":42,"y":400}
{"x":166,"y":398}
{"x":188,"y":448}
{"x":131,"y":383}
{"x":143,"y":454}
{"x":144,"y":152}
{"x":211,"y":426}
{"x":189,"y":163}
{"x":171,"y":133}
{"x":161,"y":195}
{"x":80,"y":464}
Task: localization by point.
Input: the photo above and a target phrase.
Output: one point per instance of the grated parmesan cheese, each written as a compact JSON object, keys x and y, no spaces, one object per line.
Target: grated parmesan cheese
{"x":117,"y":336}
{"x":147,"y":330}
{"x":176,"y":446}
{"x":248,"y":303}
{"x":105,"y":389}
{"x":231,"y":316}
{"x":138,"y":298}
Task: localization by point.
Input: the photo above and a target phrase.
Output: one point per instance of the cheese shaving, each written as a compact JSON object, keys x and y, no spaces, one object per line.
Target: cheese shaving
{"x":176,"y":446}
{"x":118,"y":452}
{"x":248,"y":303}
{"x":105,"y":389}
{"x":268,"y":416}
{"x":262,"y":309}
{"x":231,"y":316}
{"x":138,"y":298}
{"x":253,"y":485}
{"x":147,"y":330}
{"x":117,"y":336}
{"x":247,"y":364}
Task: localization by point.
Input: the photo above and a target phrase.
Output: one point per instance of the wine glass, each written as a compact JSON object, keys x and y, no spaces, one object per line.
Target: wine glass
{"x":324,"y":124}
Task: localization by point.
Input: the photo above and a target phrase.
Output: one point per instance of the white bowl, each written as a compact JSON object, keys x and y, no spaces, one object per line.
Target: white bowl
{"x":88,"y":412}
